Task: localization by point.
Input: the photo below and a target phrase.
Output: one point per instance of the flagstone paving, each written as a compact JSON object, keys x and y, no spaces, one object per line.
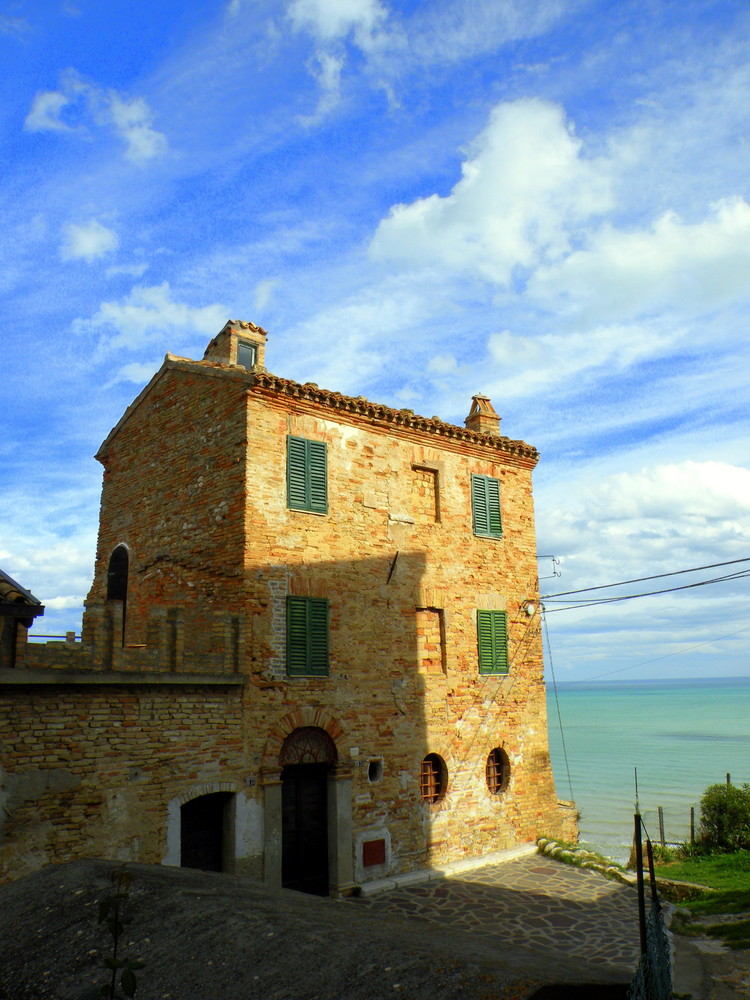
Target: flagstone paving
{"x":531,"y":903}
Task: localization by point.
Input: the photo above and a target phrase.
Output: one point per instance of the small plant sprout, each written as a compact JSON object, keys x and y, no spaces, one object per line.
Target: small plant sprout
{"x":111,"y":913}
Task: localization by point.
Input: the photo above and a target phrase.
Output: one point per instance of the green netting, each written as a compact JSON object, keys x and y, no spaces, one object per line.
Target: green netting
{"x":653,"y":977}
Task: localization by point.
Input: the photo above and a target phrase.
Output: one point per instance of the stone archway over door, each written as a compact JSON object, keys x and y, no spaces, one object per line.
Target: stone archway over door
{"x":306,"y":758}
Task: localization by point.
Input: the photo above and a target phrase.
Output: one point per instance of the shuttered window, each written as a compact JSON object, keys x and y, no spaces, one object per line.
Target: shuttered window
{"x":306,"y":475}
{"x":485,"y":506}
{"x":492,"y":642}
{"x":306,"y":636}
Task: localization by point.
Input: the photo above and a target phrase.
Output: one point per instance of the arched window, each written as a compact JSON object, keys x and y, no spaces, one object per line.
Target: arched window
{"x":117,"y":580}
{"x":117,"y":575}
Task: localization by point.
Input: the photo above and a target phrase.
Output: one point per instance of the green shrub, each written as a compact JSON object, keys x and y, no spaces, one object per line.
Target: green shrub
{"x":725,"y":817}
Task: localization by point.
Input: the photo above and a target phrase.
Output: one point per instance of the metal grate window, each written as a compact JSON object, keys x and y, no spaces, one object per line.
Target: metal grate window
{"x":497,"y":770}
{"x":432,"y":778}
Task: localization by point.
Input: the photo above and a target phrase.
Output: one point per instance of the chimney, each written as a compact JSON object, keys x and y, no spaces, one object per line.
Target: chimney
{"x":482,"y":417}
{"x":239,"y":343}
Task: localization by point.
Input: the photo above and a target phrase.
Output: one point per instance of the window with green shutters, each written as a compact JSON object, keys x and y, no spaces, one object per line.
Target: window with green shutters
{"x":485,"y":506}
{"x":492,"y":642}
{"x":306,"y":475}
{"x":306,"y":636}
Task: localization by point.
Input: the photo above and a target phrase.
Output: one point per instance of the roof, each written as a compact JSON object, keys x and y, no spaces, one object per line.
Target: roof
{"x":15,"y":598}
{"x":309,"y":392}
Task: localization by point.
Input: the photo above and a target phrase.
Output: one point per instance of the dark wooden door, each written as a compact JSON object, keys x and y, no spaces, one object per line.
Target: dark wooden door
{"x":202,"y":832}
{"x":304,"y":859}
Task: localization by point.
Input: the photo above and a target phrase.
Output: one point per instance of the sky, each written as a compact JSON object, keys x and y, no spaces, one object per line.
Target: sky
{"x":546,"y":202}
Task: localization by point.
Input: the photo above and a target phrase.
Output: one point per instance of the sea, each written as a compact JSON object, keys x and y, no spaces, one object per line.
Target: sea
{"x":665,"y":741}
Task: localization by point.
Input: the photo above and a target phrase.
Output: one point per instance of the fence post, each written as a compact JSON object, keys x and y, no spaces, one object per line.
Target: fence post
{"x":729,"y":778}
{"x":639,"y":876}
{"x":692,"y":826}
{"x":661,"y":828}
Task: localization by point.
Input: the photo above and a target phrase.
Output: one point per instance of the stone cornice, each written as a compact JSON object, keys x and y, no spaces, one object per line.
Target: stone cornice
{"x":387,"y":416}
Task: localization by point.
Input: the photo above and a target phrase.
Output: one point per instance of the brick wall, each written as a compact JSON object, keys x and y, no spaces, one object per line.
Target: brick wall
{"x":89,"y":772}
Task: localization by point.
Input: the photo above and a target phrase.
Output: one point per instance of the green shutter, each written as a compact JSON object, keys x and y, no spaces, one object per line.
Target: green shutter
{"x":485,"y":506}
{"x":317,"y":476}
{"x":318,"y":636}
{"x":296,"y":636}
{"x":306,"y":475}
{"x":296,"y":477}
{"x":493,"y":508}
{"x":306,"y":636}
{"x":492,"y":642}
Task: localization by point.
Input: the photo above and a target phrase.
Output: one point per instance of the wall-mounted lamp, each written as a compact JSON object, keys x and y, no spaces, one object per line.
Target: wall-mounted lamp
{"x":529,"y":607}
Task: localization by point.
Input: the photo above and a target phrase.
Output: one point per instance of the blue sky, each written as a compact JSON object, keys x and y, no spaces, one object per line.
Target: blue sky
{"x":547,"y":202}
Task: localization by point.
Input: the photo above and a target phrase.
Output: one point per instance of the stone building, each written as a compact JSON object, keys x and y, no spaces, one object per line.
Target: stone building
{"x":310,"y":652}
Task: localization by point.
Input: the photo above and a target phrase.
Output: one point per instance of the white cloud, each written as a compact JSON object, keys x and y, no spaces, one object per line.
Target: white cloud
{"x":148,"y":312}
{"x":674,"y":264}
{"x":131,"y":270}
{"x":450,"y":31}
{"x":528,"y":364}
{"x":88,"y":241}
{"x":17,"y":27}
{"x":135,"y":372}
{"x":326,"y":67}
{"x":524,"y":189}
{"x":133,"y":121}
{"x":88,"y":104}
{"x":328,"y":20}
{"x":331,"y":23}
{"x":63,"y":603}
{"x":45,"y":113}
{"x":655,"y":520}
{"x":264,"y":290}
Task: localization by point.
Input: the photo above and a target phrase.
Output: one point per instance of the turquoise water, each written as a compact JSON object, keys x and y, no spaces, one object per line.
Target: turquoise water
{"x":680,"y":735}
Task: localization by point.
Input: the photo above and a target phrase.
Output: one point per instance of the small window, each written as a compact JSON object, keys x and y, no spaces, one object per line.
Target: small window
{"x":492,"y":642}
{"x":306,"y":475}
{"x":485,"y":506}
{"x":497,"y":770}
{"x":246,"y":354}
{"x":307,"y":636}
{"x":433,"y":778}
{"x":375,"y":770}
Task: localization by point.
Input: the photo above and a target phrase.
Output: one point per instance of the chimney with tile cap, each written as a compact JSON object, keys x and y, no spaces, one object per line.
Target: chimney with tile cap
{"x":239,"y":343}
{"x":482,"y":416}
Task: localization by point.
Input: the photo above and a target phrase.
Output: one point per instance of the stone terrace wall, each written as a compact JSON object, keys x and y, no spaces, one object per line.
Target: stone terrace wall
{"x":89,"y":771}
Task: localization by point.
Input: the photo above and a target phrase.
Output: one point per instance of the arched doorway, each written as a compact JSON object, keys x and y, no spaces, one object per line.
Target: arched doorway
{"x":306,"y":757}
{"x":204,"y":832}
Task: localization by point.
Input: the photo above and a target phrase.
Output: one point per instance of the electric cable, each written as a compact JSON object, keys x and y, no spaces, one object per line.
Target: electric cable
{"x":642,"y":579}
{"x":557,"y":703}
{"x":584,"y":603}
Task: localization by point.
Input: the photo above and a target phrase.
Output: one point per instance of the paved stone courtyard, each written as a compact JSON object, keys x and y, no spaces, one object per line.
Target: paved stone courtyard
{"x":530,"y":903}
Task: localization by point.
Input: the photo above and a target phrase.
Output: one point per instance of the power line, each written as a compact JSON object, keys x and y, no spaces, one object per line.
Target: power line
{"x":576,"y":605}
{"x":642,"y":579}
{"x":557,"y":702}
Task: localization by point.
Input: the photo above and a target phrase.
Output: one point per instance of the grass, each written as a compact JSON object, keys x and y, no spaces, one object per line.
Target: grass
{"x":720,"y":871}
{"x":729,"y":876}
